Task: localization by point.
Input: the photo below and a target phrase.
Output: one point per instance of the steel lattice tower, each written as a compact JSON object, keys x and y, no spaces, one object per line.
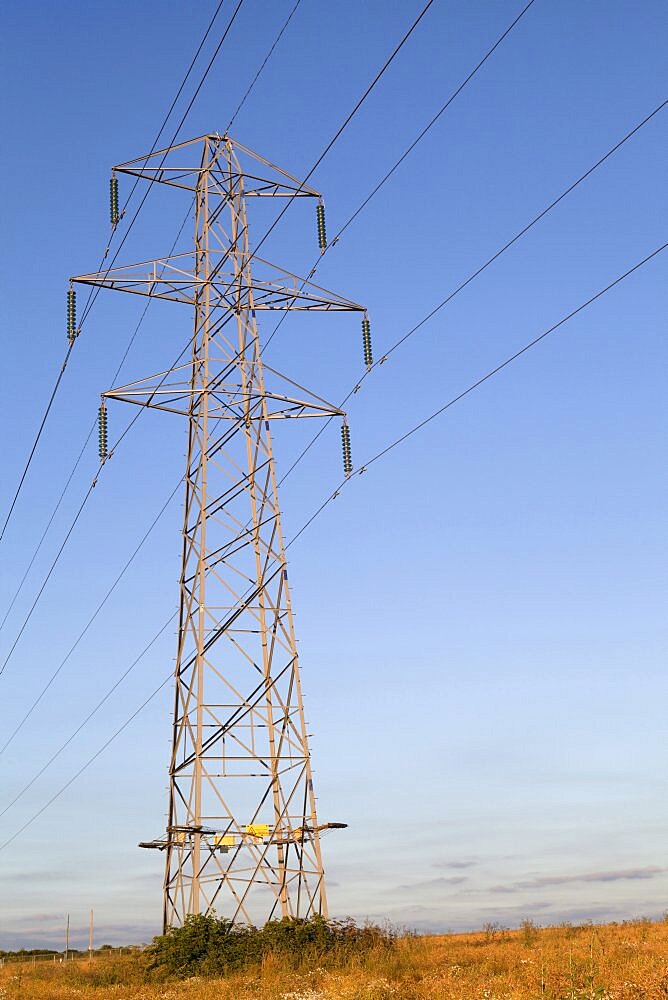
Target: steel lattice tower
{"x":242,"y":834}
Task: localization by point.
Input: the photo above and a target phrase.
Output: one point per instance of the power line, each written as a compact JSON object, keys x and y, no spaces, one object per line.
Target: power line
{"x":48,"y":576}
{"x":90,"y":715}
{"x":113,"y":586}
{"x":436,"y":117}
{"x":151,"y":180}
{"x":36,"y":441}
{"x":513,"y":357}
{"x":332,"y":496}
{"x":73,"y":524}
{"x":249,"y":594}
{"x":404,"y":155}
{"x":87,"y":764}
{"x":522,"y":232}
{"x":78,"y":514}
{"x":475,"y":274}
{"x":481,"y":381}
{"x":19,"y":726}
{"x":386,"y":65}
{"x":338,"y":133}
{"x":85,"y":444}
{"x":116,"y":581}
{"x":92,"y":296}
{"x":46,"y":529}
{"x":266,"y":60}
{"x":174,"y":102}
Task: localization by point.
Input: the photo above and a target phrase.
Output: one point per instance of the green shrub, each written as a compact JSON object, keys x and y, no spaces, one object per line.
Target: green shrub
{"x":209,"y":946}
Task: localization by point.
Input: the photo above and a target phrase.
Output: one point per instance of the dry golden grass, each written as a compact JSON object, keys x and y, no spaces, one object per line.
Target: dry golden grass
{"x":615,"y":962}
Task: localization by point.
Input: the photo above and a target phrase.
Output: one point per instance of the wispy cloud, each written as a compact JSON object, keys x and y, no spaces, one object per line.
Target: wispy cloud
{"x":547,"y":881}
{"x":46,"y":878}
{"x":433,"y":883}
{"x":456,"y":865}
{"x":26,"y":878}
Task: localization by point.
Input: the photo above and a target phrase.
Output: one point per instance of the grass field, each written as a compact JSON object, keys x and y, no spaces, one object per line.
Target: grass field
{"x":626,"y":961}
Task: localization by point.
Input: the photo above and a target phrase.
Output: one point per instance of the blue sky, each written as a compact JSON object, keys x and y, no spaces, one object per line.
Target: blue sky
{"x":479,"y":615}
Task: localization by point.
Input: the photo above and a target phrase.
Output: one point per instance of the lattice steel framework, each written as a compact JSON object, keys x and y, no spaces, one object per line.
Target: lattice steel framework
{"x":242,"y":834}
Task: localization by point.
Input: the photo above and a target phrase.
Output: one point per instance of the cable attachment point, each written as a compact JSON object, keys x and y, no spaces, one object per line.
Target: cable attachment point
{"x":102,"y":429}
{"x":366,"y":338}
{"x":345,"y":442}
{"x":113,"y":200}
{"x":71,"y":315}
{"x":322,"y":233}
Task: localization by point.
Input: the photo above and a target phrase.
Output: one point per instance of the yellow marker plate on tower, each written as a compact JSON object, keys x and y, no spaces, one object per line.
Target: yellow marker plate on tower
{"x":225,"y":840}
{"x":258,"y":829}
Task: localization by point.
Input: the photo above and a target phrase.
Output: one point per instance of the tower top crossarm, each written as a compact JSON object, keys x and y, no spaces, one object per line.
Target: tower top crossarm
{"x":181,"y":166}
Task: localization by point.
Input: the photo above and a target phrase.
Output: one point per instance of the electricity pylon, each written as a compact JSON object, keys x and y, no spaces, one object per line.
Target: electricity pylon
{"x":242,"y":833}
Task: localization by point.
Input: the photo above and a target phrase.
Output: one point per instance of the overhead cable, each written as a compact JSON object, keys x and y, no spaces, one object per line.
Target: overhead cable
{"x":260,"y":70}
{"x":91,"y":297}
{"x":83,"y":448}
{"x":404,"y":155}
{"x":381,"y":72}
{"x":475,"y":274}
{"x":482,"y":380}
{"x":19,"y":726}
